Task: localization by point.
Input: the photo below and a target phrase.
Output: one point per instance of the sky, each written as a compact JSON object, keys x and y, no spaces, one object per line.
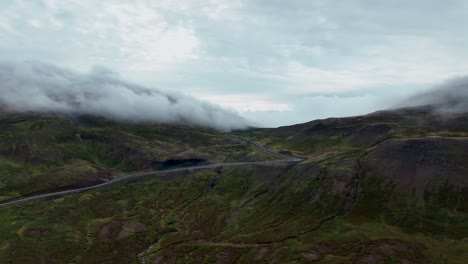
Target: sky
{"x":273,"y":62}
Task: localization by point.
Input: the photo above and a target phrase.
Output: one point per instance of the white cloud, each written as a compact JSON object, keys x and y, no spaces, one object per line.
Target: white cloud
{"x":143,"y":37}
{"x":316,"y":80}
{"x":401,"y":63}
{"x":35,"y":23}
{"x":45,"y":88}
{"x":245,"y":102}
{"x":131,"y":36}
{"x":215,"y":10}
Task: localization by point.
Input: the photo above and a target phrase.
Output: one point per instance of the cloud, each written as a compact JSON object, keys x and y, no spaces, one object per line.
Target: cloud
{"x":134,"y":37}
{"x":245,"y":103}
{"x":36,"y":86}
{"x":271,"y":53}
{"x":450,"y":97}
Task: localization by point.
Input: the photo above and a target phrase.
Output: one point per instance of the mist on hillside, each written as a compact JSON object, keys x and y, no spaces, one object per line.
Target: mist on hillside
{"x":450,"y":97}
{"x":36,"y":86}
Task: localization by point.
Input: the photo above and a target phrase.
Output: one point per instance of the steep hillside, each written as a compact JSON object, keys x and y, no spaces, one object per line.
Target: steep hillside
{"x":412,"y":147}
{"x":404,"y":168}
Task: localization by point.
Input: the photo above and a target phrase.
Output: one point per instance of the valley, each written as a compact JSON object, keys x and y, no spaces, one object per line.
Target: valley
{"x":388,"y":187}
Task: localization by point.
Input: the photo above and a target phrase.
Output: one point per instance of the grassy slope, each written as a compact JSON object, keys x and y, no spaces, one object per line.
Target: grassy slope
{"x":42,"y":153}
{"x":255,"y":214}
{"x":251,"y":215}
{"x":382,"y":209}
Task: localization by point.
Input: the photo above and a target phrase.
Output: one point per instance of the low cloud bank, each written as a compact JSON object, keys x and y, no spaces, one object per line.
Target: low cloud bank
{"x":36,"y":86}
{"x":451,"y":97}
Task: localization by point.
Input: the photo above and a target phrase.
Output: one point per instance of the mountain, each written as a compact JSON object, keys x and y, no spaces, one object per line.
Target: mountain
{"x":388,"y":187}
{"x":46,"y":152}
{"x":415,"y":148}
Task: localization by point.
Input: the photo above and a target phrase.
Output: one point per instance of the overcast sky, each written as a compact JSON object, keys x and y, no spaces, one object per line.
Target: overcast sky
{"x":276,"y":62}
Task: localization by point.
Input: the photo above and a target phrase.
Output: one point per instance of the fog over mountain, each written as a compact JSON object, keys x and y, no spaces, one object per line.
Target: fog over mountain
{"x":446,"y":98}
{"x":37,"y":86}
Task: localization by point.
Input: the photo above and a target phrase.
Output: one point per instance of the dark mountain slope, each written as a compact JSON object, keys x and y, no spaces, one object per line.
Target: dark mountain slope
{"x":421,"y":164}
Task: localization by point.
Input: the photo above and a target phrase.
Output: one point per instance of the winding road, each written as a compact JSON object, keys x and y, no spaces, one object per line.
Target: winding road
{"x":126,"y":178}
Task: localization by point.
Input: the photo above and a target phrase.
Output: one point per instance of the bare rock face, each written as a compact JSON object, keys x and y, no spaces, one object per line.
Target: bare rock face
{"x":417,"y":165}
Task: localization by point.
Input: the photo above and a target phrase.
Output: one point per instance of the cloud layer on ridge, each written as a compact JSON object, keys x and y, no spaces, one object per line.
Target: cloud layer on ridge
{"x":37,"y":86}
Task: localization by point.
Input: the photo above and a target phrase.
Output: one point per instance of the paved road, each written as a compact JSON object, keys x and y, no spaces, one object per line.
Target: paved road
{"x":262,"y":148}
{"x":126,"y":178}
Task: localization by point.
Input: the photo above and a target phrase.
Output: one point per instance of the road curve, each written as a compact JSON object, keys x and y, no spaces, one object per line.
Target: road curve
{"x":263,"y":149}
{"x":126,"y":178}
